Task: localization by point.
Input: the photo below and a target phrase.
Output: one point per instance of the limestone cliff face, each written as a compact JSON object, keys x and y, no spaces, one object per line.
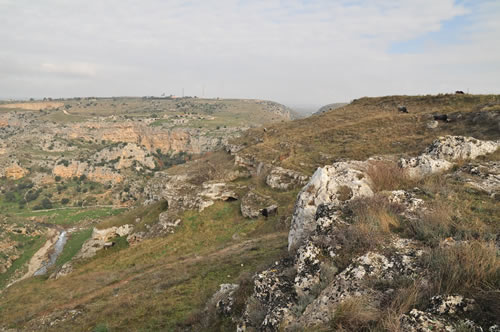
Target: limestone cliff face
{"x":15,"y":172}
{"x":127,"y":155}
{"x":97,"y":174}
{"x":152,"y":138}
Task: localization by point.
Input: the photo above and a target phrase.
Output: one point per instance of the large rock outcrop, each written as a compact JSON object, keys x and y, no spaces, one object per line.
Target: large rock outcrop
{"x":102,"y":238}
{"x":439,"y":156}
{"x":102,"y":174}
{"x":335,"y":184}
{"x":182,"y":194}
{"x":15,"y":172}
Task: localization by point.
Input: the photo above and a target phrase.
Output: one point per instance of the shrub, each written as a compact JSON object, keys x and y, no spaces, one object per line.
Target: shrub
{"x":64,"y":201}
{"x":31,"y":195}
{"x":57,"y":178}
{"x":63,"y":162}
{"x":10,"y":197}
{"x":46,"y":203}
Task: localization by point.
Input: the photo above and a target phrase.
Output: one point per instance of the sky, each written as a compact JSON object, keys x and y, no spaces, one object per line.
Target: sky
{"x":297,"y":52}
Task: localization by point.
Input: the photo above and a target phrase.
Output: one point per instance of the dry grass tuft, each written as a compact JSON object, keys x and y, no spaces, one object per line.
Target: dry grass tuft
{"x":405,"y":299}
{"x":374,"y":220}
{"x":432,"y":225}
{"x":387,"y":175}
{"x":375,"y":212}
{"x":465,"y":268}
{"x":355,"y":314}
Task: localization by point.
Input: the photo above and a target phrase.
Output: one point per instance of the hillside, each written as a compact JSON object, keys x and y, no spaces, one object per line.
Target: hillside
{"x":288,"y":226}
{"x":370,"y":126}
{"x":66,"y":163}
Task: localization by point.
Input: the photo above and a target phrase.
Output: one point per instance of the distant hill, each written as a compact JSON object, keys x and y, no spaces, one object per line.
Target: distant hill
{"x":330,"y":107}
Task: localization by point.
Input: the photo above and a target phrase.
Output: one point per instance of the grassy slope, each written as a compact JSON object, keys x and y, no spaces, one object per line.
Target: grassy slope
{"x":363,"y":128}
{"x":160,"y":282}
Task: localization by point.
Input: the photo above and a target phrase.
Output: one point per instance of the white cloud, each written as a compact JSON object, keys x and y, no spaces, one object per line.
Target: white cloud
{"x":316,"y":51}
{"x":71,"y":69}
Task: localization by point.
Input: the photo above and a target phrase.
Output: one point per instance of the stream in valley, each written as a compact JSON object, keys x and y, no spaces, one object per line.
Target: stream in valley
{"x":58,"y":247}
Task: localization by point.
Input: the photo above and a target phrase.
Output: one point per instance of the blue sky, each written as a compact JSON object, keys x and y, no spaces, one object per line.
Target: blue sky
{"x":296,"y":51}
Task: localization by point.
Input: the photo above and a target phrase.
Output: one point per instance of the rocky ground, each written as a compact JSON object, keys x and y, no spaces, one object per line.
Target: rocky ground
{"x":312,"y":290}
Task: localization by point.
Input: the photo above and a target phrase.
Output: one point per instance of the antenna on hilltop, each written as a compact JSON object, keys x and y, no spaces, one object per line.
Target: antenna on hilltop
{"x":182,"y":92}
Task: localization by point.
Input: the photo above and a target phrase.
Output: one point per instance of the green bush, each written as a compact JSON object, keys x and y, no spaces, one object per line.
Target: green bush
{"x":10,"y":197}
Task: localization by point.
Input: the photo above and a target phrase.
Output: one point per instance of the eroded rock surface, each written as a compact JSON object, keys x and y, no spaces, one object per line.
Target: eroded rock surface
{"x":444,"y":313}
{"x":254,"y":204}
{"x":335,"y":184}
{"x":285,"y":179}
{"x":442,"y":152}
{"x":102,"y":238}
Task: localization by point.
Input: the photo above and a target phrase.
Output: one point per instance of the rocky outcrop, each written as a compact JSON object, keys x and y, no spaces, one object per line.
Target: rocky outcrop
{"x":15,"y":172}
{"x":175,"y":140}
{"x":182,"y":194}
{"x":351,"y":282}
{"x":272,"y":299}
{"x":97,"y":174}
{"x":215,"y":191}
{"x":444,"y":313}
{"x":442,"y":152}
{"x":125,"y":156}
{"x":482,"y":176}
{"x":223,"y":299}
{"x":64,"y":270}
{"x":335,"y":184}
{"x":102,"y":238}
{"x":165,"y":224}
{"x":285,"y":179}
{"x":254,"y":204}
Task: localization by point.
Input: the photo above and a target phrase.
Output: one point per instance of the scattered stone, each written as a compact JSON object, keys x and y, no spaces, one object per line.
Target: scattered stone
{"x":254,"y":204}
{"x":432,"y":124}
{"x":64,"y":270}
{"x":285,"y":179}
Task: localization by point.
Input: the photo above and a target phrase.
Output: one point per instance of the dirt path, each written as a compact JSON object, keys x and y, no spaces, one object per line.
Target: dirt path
{"x":230,"y":250}
{"x":79,"y":208}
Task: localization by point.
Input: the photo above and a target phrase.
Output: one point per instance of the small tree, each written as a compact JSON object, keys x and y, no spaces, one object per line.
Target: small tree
{"x":10,"y":197}
{"x":46,"y":203}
